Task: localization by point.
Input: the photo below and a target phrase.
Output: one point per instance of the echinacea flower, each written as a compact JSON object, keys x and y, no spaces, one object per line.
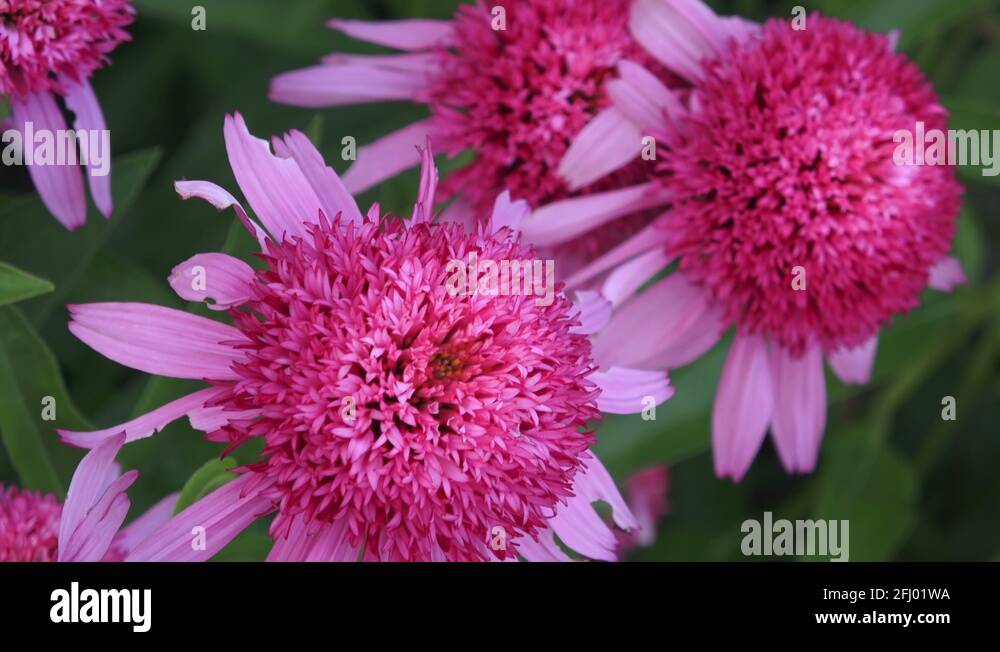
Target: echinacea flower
{"x":785,"y":212}
{"x":48,"y":50}
{"x":36,"y":527}
{"x":514,"y":88}
{"x":398,"y":418}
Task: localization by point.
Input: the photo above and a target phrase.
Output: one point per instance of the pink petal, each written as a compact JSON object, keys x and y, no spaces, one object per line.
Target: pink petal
{"x":158,"y":340}
{"x":799,"y":407}
{"x":325,"y":542}
{"x":423,"y":209}
{"x":608,"y":143}
{"x":275,"y":187}
{"x":59,"y":186}
{"x":227,"y":280}
{"x":854,"y":366}
{"x":210,"y":419}
{"x":686,"y":326}
{"x":223,"y":514}
{"x":627,"y":279}
{"x":627,"y":391}
{"x":643,"y":99}
{"x":93,"y":537}
{"x":647,"y":496}
{"x":387,"y":157}
{"x":347,"y":81}
{"x":947,"y":274}
{"x":415,"y":34}
{"x":564,"y":220}
{"x":332,"y":193}
{"x":143,"y":426}
{"x":545,"y":549}
{"x":80,"y":99}
{"x":594,"y":312}
{"x":88,"y":484}
{"x":221,"y":200}
{"x":509,"y":214}
{"x":137,"y":531}
{"x":650,"y":237}
{"x":743,"y":406}
{"x":679,"y":33}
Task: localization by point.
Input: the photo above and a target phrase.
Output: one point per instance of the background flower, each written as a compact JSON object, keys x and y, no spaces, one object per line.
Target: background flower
{"x":920,"y":487}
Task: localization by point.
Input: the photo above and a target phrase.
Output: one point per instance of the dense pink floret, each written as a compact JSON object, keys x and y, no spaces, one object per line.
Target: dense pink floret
{"x":40,"y":39}
{"x":470,"y":412}
{"x":29,"y":525}
{"x":787,"y":162}
{"x":519,"y":97}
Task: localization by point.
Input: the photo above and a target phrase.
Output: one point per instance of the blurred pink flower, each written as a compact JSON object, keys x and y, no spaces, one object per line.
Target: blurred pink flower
{"x":784,"y":209}
{"x":646,"y":495}
{"x":36,"y":527}
{"x":515,"y":94}
{"x":50,"y":49}
{"x":396,"y":417}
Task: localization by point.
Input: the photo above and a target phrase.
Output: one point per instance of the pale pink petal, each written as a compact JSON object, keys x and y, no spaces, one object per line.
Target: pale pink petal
{"x":626,"y":280}
{"x":89,"y":482}
{"x":158,"y":340}
{"x":93,"y":537}
{"x":215,"y":519}
{"x":646,"y":493}
{"x":275,"y":187}
{"x":80,"y":99}
{"x":743,"y":406}
{"x":650,"y":237}
{"x":946,"y":275}
{"x":594,"y":312}
{"x":799,"y":407}
{"x":854,"y":366}
{"x":143,"y":426}
{"x":137,"y":531}
{"x":643,"y":98}
{"x":595,"y":483}
{"x":332,"y":193}
{"x":608,"y":143}
{"x":423,"y":209}
{"x":387,"y":157}
{"x":679,"y":33}
{"x":509,"y":214}
{"x":346,"y":82}
{"x":413,"y":34}
{"x":211,"y":418}
{"x":565,"y":220}
{"x":219,"y":279}
{"x":324,"y":542}
{"x":545,"y":549}
{"x":630,"y":391}
{"x":667,"y":326}
{"x":460,"y":211}
{"x":221,"y":200}
{"x":59,"y":186}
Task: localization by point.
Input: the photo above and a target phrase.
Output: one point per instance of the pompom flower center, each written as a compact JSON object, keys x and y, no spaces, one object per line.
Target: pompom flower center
{"x":425,"y":418}
{"x":29,"y":525}
{"x":43,"y":39}
{"x":789,"y":208}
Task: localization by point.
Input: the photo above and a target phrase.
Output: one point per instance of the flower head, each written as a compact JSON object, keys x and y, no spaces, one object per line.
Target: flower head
{"x":399,"y":416}
{"x":29,"y":525}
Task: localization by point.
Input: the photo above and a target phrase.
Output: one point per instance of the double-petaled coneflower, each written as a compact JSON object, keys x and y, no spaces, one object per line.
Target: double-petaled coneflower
{"x":399,"y":418}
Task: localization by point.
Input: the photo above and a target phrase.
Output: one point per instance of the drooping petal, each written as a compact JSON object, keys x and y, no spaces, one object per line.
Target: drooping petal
{"x":743,"y":406}
{"x":332,"y":193}
{"x":83,"y":103}
{"x":642,"y":98}
{"x":135,"y":532}
{"x":566,"y":219}
{"x":799,"y":407}
{"x":413,"y":34}
{"x":158,"y":340}
{"x":220,"y":279}
{"x":346,"y":82}
{"x":594,"y":312}
{"x":387,"y":156}
{"x":143,"y":426}
{"x":423,"y":209}
{"x":509,"y":214}
{"x":59,"y":186}
{"x":608,"y":143}
{"x":275,"y":187}
{"x":947,"y":275}
{"x":854,"y":366}
{"x":92,"y":538}
{"x":625,"y":281}
{"x":213,"y":521}
{"x":221,"y":200}
{"x":629,"y":391}
{"x":679,"y":33}
{"x":88,"y":484}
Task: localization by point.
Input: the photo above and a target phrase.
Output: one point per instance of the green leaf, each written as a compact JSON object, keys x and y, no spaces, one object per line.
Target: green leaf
{"x":208,"y":478}
{"x":17,"y":285}
{"x":29,"y":375}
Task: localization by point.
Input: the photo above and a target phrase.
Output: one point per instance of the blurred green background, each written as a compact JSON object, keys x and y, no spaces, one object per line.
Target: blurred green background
{"x":915,"y":487}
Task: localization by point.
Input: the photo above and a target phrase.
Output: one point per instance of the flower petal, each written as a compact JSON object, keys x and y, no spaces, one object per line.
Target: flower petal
{"x":219,"y":279}
{"x":608,"y":143}
{"x":387,"y":156}
{"x":221,"y":200}
{"x":628,"y":391}
{"x":679,"y":33}
{"x":332,"y":193}
{"x":137,"y":531}
{"x":414,"y":34}
{"x":743,"y":406}
{"x":594,"y":312}
{"x":87,"y":486}
{"x":643,"y":98}
{"x":509,"y":214}
{"x":854,"y":366}
{"x":625,"y":281}
{"x":83,"y":103}
{"x":347,"y":81}
{"x":946,"y":275}
{"x":158,"y":340}
{"x":799,"y":407}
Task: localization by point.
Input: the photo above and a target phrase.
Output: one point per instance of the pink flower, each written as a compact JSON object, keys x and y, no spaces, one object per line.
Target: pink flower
{"x":50,"y":48}
{"x":36,"y":527}
{"x":396,"y":416}
{"x":514,"y":89}
{"x":785,"y":212}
